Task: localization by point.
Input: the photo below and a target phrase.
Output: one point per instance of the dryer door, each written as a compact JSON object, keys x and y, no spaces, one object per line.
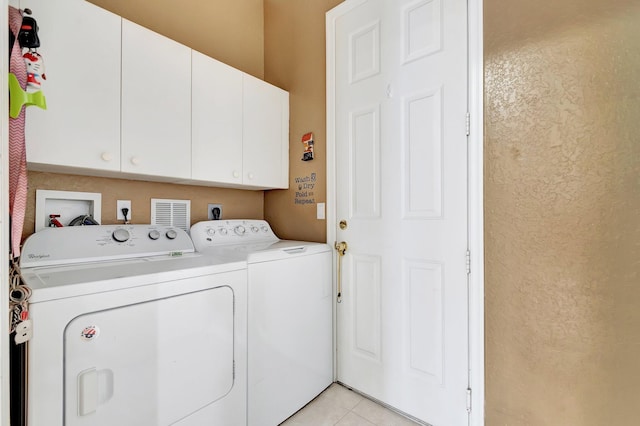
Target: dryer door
{"x":152,"y":363}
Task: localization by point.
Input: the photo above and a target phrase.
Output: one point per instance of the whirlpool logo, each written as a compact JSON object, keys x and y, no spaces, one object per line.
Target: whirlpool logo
{"x":38,"y":256}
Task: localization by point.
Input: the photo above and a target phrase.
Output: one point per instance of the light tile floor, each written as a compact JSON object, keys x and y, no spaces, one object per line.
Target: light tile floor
{"x":338,"y":406}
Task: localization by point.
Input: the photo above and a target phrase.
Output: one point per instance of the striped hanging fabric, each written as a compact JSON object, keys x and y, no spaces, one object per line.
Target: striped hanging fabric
{"x":17,"y":149}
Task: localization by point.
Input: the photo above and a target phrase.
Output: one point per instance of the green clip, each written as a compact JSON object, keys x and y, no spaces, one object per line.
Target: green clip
{"x":19,"y":98}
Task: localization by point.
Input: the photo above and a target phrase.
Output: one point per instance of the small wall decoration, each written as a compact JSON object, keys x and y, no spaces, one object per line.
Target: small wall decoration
{"x":307,"y":140}
{"x":305,"y":189}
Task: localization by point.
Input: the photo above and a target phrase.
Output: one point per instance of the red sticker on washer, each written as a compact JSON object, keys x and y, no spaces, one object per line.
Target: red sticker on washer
{"x":90,"y":333}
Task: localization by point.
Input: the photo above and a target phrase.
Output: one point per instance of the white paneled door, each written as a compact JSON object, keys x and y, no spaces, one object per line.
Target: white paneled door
{"x":401,"y":187}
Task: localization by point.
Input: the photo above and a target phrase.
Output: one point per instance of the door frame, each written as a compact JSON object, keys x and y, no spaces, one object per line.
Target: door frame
{"x":475,"y":175}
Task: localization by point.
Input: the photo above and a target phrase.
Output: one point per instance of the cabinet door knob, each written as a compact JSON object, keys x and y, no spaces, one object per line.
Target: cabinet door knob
{"x":106,"y":156}
{"x":135,"y":161}
{"x":236,"y":174}
{"x":250,"y":175}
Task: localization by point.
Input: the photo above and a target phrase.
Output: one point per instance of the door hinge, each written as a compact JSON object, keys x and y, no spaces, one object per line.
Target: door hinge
{"x":468,"y":400}
{"x":468,"y":123}
{"x":468,"y":261}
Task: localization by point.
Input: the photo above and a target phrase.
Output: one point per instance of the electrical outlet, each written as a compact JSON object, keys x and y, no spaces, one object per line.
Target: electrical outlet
{"x":121,"y":204}
{"x":210,"y":211}
{"x":24,"y":332}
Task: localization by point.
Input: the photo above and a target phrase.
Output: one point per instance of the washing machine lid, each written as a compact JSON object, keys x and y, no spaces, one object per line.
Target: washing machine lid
{"x":249,"y":240}
{"x":264,"y":252}
{"x":283,"y":249}
{"x":60,"y":282}
{"x":66,"y":262}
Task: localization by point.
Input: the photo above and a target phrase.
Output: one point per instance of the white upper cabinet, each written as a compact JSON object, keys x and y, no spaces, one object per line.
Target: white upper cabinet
{"x":156,"y":104}
{"x":216,"y":138}
{"x":80,"y":46}
{"x":124,"y":101}
{"x":240,"y":127}
{"x":265,"y":134}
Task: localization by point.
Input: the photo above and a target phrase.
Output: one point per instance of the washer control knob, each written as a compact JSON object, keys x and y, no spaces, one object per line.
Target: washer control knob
{"x":211,"y":232}
{"x":222,"y":231}
{"x":121,"y":235}
{"x":254,"y":229}
{"x":172,"y":234}
{"x":154,"y":234}
{"x":239,"y":230}
{"x":265,"y":228}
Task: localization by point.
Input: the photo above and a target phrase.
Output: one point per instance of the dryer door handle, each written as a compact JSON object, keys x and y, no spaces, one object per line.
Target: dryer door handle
{"x":87,"y":392}
{"x":95,"y":387}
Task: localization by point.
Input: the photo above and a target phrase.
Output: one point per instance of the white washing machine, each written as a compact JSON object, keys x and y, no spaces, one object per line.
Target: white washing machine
{"x":132,"y":327}
{"x":290,"y":344}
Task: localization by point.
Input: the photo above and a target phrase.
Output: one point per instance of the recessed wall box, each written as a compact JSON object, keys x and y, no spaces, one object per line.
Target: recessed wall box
{"x":67,"y":204}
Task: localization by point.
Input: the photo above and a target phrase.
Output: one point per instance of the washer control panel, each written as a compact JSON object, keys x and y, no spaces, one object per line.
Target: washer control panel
{"x":221,"y":232}
{"x":78,"y":244}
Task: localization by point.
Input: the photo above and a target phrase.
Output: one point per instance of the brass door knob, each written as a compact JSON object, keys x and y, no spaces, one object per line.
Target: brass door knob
{"x":341,"y":247}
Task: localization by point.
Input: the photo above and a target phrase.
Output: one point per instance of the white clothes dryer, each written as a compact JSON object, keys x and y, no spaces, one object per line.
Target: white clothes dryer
{"x":290,"y":344}
{"x":132,"y":327}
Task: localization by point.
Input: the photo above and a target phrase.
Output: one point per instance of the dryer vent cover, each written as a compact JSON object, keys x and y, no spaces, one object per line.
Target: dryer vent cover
{"x":171,"y":213}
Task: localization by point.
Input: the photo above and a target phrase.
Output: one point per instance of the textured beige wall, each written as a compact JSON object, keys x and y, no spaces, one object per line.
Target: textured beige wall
{"x":231,"y":31}
{"x":295,"y":60}
{"x":562,"y":209}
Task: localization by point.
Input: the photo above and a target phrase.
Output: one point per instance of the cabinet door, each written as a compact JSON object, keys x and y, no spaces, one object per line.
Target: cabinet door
{"x":216,"y":121}
{"x":80,"y":46}
{"x":156,"y":104}
{"x":265,"y":134}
